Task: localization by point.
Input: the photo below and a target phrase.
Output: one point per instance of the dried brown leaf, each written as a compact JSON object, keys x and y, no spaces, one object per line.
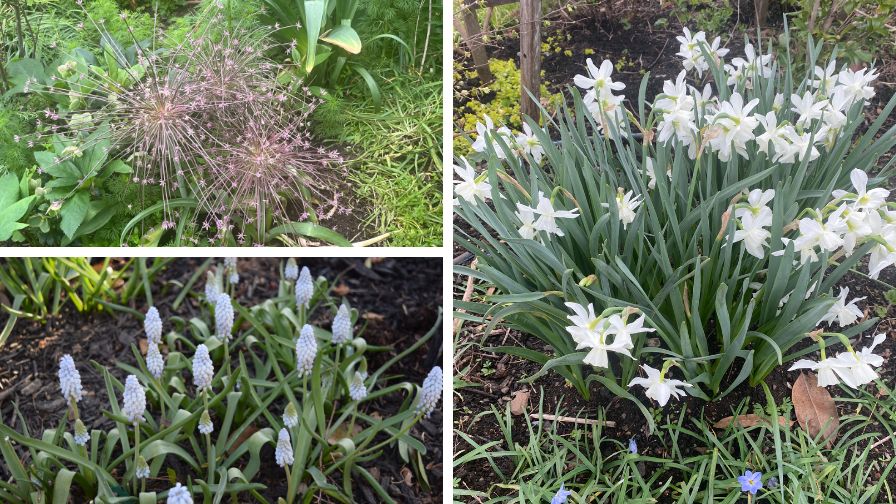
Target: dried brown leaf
{"x":519,"y":402}
{"x":815,"y":409}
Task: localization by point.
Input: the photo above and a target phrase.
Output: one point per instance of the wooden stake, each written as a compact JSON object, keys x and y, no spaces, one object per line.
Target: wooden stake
{"x":530,"y":57}
{"x":475,"y":42}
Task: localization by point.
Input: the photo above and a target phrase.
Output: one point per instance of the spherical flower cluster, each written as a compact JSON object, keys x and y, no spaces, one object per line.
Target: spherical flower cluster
{"x":211,"y":288}
{"x":82,"y":436}
{"x":304,"y":288}
{"x":142,"y":469}
{"x":356,"y":389}
{"x":430,"y":392}
{"x":179,"y":495}
{"x":223,"y":317}
{"x":306,"y":350}
{"x":155,"y":363}
{"x":134,"y":400}
{"x":342,"y":326}
{"x":152,"y":325}
{"x":203,"y":369}
{"x":283,"y":453}
{"x":290,"y":416}
{"x":291,"y":271}
{"x":205,"y":423}
{"x":69,"y":379}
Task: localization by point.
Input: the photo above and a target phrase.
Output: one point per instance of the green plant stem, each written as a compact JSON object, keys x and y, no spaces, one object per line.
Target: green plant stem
{"x":136,"y":452}
{"x":290,"y":491}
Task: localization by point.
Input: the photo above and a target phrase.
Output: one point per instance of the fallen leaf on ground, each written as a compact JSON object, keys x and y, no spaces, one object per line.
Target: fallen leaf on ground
{"x":750,"y":420}
{"x":519,"y":402}
{"x":373,"y":316}
{"x":815,"y":409}
{"x":341,"y":290}
{"x":144,"y":345}
{"x":407,"y":475}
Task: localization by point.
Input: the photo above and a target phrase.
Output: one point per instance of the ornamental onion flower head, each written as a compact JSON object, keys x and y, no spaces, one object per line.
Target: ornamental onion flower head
{"x":430,"y":392}
{"x":69,"y":379}
{"x":211,"y":288}
{"x":342,"y":326}
{"x":203,"y":369}
{"x":134,"y":400}
{"x":304,"y":288}
{"x":142,"y":470}
{"x":561,"y":495}
{"x":154,"y":361}
{"x":750,"y":481}
{"x":306,"y":350}
{"x":357,"y":390}
{"x":81,"y":434}
{"x":179,"y":495}
{"x":152,"y":324}
{"x":290,"y":416}
{"x":223,"y":317}
{"x":291,"y":271}
{"x":205,"y":423}
{"x":283,"y":453}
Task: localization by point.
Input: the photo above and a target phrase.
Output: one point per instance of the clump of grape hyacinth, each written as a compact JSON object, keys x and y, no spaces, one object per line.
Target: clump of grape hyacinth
{"x":291,"y":271}
{"x":69,"y":379}
{"x":306,"y":350}
{"x":203,"y":369}
{"x":179,"y":495}
{"x":283,"y":454}
{"x":357,"y":390}
{"x":342,"y":326}
{"x":430,"y":392}
{"x":81,"y":434}
{"x":223,"y":317}
{"x":290,"y":416}
{"x":211,"y":288}
{"x":205,"y":423}
{"x":134,"y":400}
{"x":154,"y":361}
{"x":152,"y":324}
{"x":304,"y":288}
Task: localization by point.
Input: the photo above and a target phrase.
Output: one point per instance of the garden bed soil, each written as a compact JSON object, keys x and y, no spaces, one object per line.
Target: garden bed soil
{"x":398,"y":298}
{"x":496,"y":379}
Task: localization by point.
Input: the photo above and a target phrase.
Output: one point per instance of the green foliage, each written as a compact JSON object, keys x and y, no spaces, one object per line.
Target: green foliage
{"x":416,"y":22}
{"x":136,"y":28}
{"x":15,"y":156}
{"x":499,"y":100}
{"x":710,"y":16}
{"x":858,"y":28}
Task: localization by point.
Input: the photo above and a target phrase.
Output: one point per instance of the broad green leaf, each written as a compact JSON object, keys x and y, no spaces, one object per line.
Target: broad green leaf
{"x":344,"y":36}
{"x":73,"y":213}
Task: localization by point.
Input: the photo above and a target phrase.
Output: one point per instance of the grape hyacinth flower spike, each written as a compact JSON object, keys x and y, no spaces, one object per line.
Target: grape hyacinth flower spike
{"x":205,"y":423}
{"x":430,"y":392}
{"x":211,"y":288}
{"x":291,"y":270}
{"x":179,"y":495}
{"x":306,"y":351}
{"x":81,"y":434}
{"x":134,"y":400}
{"x":357,"y":390}
{"x":152,"y":325}
{"x":223,"y":317}
{"x":342,"y":326}
{"x":304,"y":289}
{"x":283,"y":453}
{"x":70,"y":381}
{"x":233,"y":275}
{"x":290,"y":416}
{"x":203,"y":369}
{"x":155,"y":363}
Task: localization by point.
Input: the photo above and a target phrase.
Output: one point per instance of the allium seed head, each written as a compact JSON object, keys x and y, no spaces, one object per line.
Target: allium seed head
{"x":205,"y":423}
{"x":291,"y":271}
{"x":152,"y":324}
{"x":142,"y":470}
{"x":211,"y":288}
{"x":283,"y":454}
{"x":357,"y":390}
{"x":69,"y":379}
{"x":430,"y":392}
{"x":306,"y":350}
{"x":304,"y":288}
{"x":290,"y":416}
{"x":134,"y":400}
{"x":203,"y":369}
{"x":223,"y":317}
{"x":81,"y":434}
{"x":179,"y":495}
{"x":155,"y":363}
{"x":342,"y":326}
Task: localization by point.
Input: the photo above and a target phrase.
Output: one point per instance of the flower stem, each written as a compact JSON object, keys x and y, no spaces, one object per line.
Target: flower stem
{"x":136,"y":452}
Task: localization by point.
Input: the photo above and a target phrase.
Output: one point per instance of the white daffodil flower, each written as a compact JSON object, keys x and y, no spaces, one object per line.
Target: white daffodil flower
{"x":753,"y":234}
{"x":598,"y":82}
{"x":757,"y":206}
{"x":529,"y":143}
{"x":589,"y":331}
{"x":470,"y":187}
{"x":863,"y":198}
{"x":857,"y":368}
{"x":842,"y":311}
{"x":626,"y":205}
{"x":825,"y":369}
{"x":659,"y":388}
{"x":526,"y":215}
{"x":547,"y":216}
{"x":807,"y":108}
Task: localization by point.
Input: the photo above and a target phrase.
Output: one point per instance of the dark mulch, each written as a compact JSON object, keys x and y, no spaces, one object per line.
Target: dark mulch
{"x":398,"y":300}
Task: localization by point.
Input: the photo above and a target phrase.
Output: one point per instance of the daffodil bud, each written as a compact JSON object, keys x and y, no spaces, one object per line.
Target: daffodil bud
{"x":69,"y":379}
{"x":134,"y":400}
{"x":203,"y":369}
{"x":342,"y":326}
{"x":152,"y":324}
{"x":306,"y":350}
{"x":430,"y":392}
{"x":283,"y":453}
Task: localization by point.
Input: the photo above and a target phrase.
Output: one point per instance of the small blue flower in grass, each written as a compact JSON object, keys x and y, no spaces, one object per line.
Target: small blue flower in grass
{"x":633,"y":446}
{"x":561,"y":495}
{"x":750,"y":482}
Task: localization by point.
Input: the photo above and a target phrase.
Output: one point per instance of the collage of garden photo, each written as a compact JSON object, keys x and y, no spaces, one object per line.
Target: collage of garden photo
{"x":467,"y":251}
